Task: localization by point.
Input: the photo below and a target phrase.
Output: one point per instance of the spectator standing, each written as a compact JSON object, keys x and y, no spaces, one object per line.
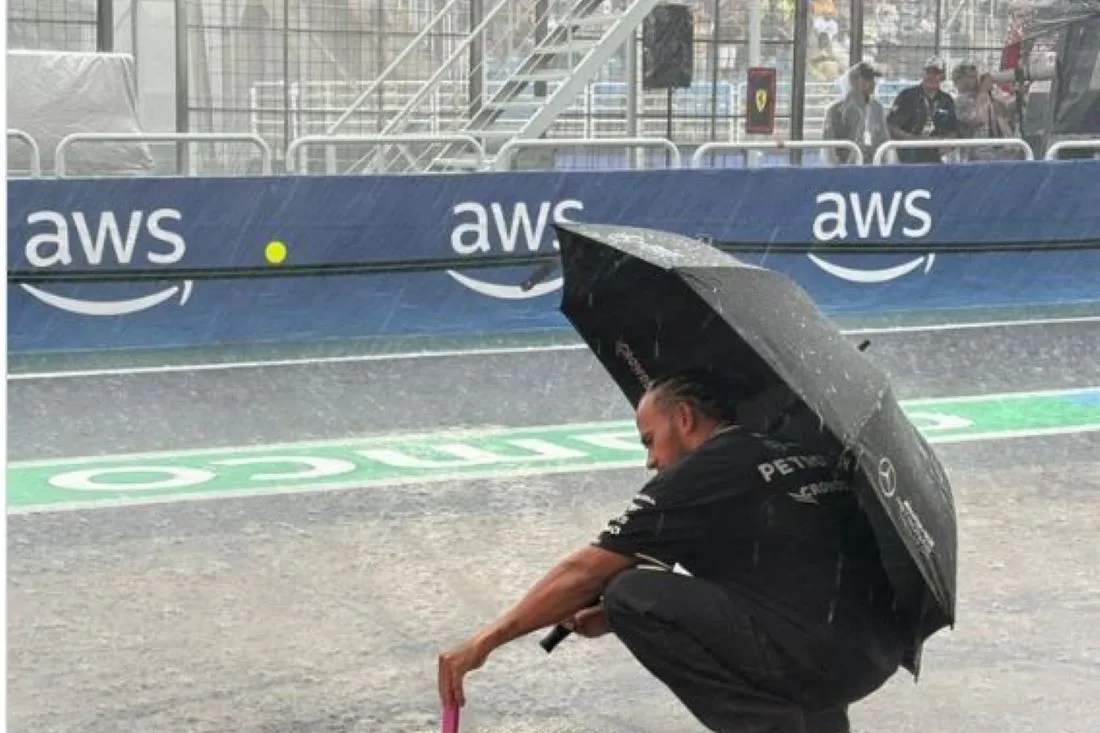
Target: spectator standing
{"x":924,"y":112}
{"x":857,"y":116}
{"x":983,"y":111}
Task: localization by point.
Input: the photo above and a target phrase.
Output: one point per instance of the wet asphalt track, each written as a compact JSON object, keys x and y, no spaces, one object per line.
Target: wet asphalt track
{"x":324,"y":612}
{"x":147,"y":412}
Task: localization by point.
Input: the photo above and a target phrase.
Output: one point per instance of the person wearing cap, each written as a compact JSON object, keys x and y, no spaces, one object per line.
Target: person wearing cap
{"x":983,"y":112}
{"x":858,"y":116}
{"x":744,"y":575}
{"x":924,"y":112}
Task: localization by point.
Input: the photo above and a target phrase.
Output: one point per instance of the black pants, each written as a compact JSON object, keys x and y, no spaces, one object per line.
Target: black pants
{"x":736,"y":669}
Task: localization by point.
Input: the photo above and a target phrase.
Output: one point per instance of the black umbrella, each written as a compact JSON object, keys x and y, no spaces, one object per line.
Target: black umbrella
{"x":650,"y":303}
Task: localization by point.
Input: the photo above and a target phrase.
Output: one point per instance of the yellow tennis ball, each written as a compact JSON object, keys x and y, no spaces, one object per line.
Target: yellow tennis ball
{"x":275,"y":252}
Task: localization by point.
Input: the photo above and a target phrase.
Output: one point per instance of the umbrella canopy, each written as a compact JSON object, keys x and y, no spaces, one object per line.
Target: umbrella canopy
{"x":650,"y":303}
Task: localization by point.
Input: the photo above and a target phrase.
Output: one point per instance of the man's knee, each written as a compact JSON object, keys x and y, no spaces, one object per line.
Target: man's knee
{"x":632,"y":593}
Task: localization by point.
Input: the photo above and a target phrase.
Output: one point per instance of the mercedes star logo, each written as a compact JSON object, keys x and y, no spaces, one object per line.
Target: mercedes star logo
{"x":887,"y":477}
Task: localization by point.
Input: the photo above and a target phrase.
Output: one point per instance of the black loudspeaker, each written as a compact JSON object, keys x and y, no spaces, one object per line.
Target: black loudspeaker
{"x":667,"y":57}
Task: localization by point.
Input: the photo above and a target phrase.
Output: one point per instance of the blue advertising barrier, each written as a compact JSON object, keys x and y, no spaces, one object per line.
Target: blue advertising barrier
{"x":71,"y":225}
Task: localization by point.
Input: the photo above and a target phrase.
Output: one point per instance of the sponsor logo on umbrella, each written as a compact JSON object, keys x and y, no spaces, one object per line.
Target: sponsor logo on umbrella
{"x":887,"y":478}
{"x":623,"y":349}
{"x":916,"y":529}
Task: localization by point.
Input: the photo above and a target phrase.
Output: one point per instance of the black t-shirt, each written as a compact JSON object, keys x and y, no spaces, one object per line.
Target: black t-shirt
{"x":912,"y":109}
{"x":772,"y":521}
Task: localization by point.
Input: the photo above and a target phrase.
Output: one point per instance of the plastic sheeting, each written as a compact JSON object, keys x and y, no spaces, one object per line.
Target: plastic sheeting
{"x":1060,"y":45}
{"x":54,"y":94}
{"x":1077,"y":110}
{"x":850,"y":118}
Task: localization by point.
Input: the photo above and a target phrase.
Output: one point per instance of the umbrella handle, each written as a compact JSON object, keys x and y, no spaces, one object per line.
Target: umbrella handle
{"x":559,"y":633}
{"x":555,"y":637}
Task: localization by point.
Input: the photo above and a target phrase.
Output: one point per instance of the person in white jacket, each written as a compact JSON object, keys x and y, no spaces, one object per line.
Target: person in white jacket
{"x":857,"y":116}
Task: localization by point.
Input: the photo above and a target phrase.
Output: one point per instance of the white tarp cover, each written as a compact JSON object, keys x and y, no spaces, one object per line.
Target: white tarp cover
{"x":52,"y":94}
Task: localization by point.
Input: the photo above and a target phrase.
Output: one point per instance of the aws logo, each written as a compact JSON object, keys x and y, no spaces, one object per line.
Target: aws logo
{"x":508,"y":228}
{"x":145,"y":235}
{"x":837,"y":216}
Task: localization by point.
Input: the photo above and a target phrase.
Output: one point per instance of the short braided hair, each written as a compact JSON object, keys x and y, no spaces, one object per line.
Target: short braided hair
{"x":711,"y":395}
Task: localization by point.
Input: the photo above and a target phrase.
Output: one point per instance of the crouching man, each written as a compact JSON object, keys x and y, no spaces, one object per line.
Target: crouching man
{"x":744,"y":576}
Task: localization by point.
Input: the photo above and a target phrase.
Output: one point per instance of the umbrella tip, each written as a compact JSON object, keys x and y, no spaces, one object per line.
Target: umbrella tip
{"x":540,"y":274}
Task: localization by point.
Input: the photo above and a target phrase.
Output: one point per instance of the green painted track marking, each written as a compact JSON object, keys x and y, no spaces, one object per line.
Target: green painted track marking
{"x":78,"y":483}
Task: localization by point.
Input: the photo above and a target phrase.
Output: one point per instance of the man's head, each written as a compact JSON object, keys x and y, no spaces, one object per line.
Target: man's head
{"x":862,"y":78}
{"x":677,"y":415}
{"x":965,"y":76}
{"x":934,"y":72}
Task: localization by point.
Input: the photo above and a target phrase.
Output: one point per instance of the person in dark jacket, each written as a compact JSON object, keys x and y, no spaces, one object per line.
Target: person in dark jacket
{"x":924,"y":112}
{"x":743,"y":575}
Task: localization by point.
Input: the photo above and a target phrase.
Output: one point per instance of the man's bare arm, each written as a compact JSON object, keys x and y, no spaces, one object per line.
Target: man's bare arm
{"x":570,"y":586}
{"x":562,"y":592}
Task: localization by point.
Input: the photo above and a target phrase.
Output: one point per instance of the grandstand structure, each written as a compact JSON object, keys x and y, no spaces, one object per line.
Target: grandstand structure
{"x":493,"y":70}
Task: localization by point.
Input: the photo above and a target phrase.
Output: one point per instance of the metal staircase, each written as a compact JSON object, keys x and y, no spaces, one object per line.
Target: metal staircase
{"x":574,"y":51}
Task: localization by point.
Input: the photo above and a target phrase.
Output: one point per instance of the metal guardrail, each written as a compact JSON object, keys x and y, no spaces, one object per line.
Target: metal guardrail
{"x":977,"y":142}
{"x":508,"y":150}
{"x":155,"y":137}
{"x":36,"y":152}
{"x":746,"y":147}
{"x":296,"y":146}
{"x":1052,"y":152}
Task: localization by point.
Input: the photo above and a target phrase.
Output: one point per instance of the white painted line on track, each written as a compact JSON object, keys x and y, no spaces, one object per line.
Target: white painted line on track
{"x":307,"y":361}
{"x":1003,"y":396}
{"x":490,"y":351}
{"x":966,"y":326}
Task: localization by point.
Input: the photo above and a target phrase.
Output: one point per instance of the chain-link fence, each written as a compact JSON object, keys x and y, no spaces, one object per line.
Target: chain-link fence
{"x":287,"y":68}
{"x":52,"y":25}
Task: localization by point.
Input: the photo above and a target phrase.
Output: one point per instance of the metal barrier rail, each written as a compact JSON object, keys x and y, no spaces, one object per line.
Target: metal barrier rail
{"x":508,"y":150}
{"x":36,"y":152}
{"x":977,"y":142}
{"x":155,"y":137}
{"x":1052,"y":152}
{"x":298,"y":144}
{"x":745,"y":147}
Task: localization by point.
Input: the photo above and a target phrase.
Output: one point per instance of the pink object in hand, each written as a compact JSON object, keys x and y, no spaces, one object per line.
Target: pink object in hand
{"x":450,"y":719}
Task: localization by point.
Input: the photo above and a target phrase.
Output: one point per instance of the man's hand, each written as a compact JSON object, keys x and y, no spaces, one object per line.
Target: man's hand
{"x":589,"y":622}
{"x":566,"y":589}
{"x":453,"y":666}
